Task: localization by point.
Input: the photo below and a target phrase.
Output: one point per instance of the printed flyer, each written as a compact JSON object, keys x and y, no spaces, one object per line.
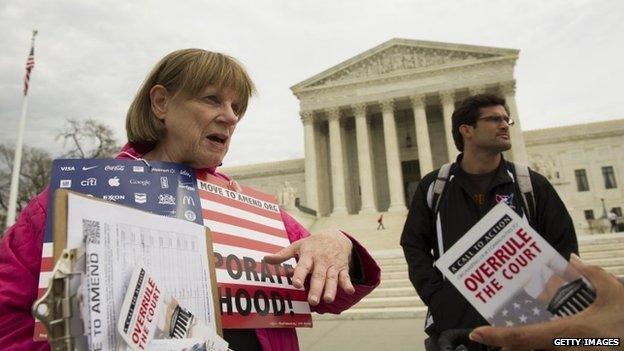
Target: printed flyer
{"x":511,"y":275}
{"x":163,"y":188}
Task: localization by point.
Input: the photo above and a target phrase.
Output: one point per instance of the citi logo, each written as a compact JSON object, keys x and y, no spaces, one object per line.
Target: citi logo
{"x":89,"y":182}
{"x":68,"y":168}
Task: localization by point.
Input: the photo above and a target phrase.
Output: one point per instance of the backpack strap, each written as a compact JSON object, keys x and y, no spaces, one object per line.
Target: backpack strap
{"x":433,"y":197}
{"x":526,"y":188}
{"x":433,"y":200}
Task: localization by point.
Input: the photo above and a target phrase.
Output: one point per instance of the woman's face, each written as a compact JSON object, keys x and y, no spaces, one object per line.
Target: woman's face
{"x":198,"y":129}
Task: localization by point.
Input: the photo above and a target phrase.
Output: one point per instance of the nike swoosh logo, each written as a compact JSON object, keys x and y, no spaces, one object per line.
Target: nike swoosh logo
{"x":88,"y":168}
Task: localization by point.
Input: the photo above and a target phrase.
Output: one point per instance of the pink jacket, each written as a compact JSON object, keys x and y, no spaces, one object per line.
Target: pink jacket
{"x":20,"y":260}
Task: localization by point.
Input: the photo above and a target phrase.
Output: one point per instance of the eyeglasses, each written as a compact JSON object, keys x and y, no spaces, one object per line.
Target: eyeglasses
{"x":498,"y":120}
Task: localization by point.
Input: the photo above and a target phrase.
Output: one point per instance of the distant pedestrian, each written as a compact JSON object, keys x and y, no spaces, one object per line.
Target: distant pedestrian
{"x":380,"y":223}
{"x":613,"y":219}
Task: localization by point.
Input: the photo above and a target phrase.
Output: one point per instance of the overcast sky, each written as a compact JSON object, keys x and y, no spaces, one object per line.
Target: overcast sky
{"x":91,"y":56}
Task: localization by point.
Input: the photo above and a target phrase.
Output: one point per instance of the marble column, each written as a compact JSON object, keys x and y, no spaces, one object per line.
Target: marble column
{"x":518,"y":149}
{"x":448,"y":106}
{"x":477,"y":90}
{"x":337,"y":162}
{"x":393,"y":162}
{"x":425,"y":158}
{"x":311,"y":166}
{"x":364,"y":160}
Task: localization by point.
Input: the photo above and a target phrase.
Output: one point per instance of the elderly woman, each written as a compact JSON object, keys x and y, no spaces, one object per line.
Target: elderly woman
{"x":186,"y":112}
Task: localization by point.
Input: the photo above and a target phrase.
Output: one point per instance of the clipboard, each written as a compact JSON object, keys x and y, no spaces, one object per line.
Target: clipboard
{"x":57,"y":309}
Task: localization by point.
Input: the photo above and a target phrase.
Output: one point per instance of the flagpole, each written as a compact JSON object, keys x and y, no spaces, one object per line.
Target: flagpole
{"x":17,"y":160}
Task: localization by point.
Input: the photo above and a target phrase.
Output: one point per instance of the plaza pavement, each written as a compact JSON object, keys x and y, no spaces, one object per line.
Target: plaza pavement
{"x":363,"y":335}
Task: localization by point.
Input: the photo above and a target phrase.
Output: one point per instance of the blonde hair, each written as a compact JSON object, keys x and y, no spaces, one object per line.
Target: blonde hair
{"x":185,"y":73}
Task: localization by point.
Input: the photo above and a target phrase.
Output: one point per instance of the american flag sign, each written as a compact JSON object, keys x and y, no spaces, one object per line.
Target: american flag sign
{"x":246,"y":226}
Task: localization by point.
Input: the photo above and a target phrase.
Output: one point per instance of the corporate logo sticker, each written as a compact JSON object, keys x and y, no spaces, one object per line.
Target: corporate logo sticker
{"x":187,"y":200}
{"x":116,"y":168}
{"x":166,"y":199}
{"x":163,"y":170}
{"x":114,"y":197}
{"x":84,"y":168}
{"x":89,"y":182}
{"x":65,"y":183}
{"x":186,"y":186}
{"x":138,"y":169}
{"x":113,"y":181}
{"x":68,"y":168}
{"x":140,"y":198}
{"x":143,"y":182}
{"x":190,"y":215}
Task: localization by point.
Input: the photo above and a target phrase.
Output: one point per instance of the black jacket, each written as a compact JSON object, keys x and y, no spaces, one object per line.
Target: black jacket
{"x":458,"y":213}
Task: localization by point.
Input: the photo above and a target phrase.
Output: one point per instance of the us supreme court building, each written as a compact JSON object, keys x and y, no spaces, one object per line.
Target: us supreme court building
{"x":378,"y":122}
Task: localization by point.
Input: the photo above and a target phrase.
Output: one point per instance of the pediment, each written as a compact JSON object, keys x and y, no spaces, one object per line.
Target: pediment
{"x":402,"y":56}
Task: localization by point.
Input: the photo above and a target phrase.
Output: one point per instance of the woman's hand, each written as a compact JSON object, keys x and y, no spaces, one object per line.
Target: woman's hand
{"x":326,"y":256}
{"x":603,"y":319}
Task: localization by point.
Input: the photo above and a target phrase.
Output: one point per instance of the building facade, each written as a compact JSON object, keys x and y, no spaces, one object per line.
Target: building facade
{"x":378,"y":122}
{"x":585,"y":163}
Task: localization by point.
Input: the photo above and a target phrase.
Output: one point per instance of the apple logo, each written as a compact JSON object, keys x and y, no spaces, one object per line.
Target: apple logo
{"x":113,"y":181}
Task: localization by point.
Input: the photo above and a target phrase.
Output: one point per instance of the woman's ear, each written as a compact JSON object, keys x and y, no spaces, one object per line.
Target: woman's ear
{"x":158,"y":101}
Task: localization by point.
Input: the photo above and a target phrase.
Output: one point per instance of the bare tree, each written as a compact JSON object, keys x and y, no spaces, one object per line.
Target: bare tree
{"x":34,"y":176}
{"x":81,"y":139}
{"x":88,"y":139}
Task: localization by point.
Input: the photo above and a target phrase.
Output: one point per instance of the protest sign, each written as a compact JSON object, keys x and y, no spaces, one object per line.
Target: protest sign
{"x":246,"y":226}
{"x":511,"y":275}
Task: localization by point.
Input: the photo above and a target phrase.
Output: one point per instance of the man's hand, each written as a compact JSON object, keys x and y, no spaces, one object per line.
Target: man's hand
{"x":604,"y":318}
{"x":326,"y":256}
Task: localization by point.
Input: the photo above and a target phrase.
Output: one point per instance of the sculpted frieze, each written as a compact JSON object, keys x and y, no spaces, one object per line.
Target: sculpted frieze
{"x":448,"y":79}
{"x":401,"y":58}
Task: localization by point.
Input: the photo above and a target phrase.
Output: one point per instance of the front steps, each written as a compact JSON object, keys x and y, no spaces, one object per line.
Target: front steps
{"x":396,"y":297}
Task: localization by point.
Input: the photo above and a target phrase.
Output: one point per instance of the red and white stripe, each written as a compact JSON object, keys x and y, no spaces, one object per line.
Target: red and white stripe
{"x":251,"y":229}
{"x":47,"y":265}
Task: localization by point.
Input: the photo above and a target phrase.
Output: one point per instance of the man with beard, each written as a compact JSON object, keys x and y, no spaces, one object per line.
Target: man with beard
{"x":449,"y":201}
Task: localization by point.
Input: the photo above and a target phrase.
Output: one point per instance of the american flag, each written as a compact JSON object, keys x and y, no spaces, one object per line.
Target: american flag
{"x":521,"y":309}
{"x":30,"y":64}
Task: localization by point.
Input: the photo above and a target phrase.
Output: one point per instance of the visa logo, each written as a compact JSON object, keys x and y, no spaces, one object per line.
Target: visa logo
{"x":68,"y":168}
